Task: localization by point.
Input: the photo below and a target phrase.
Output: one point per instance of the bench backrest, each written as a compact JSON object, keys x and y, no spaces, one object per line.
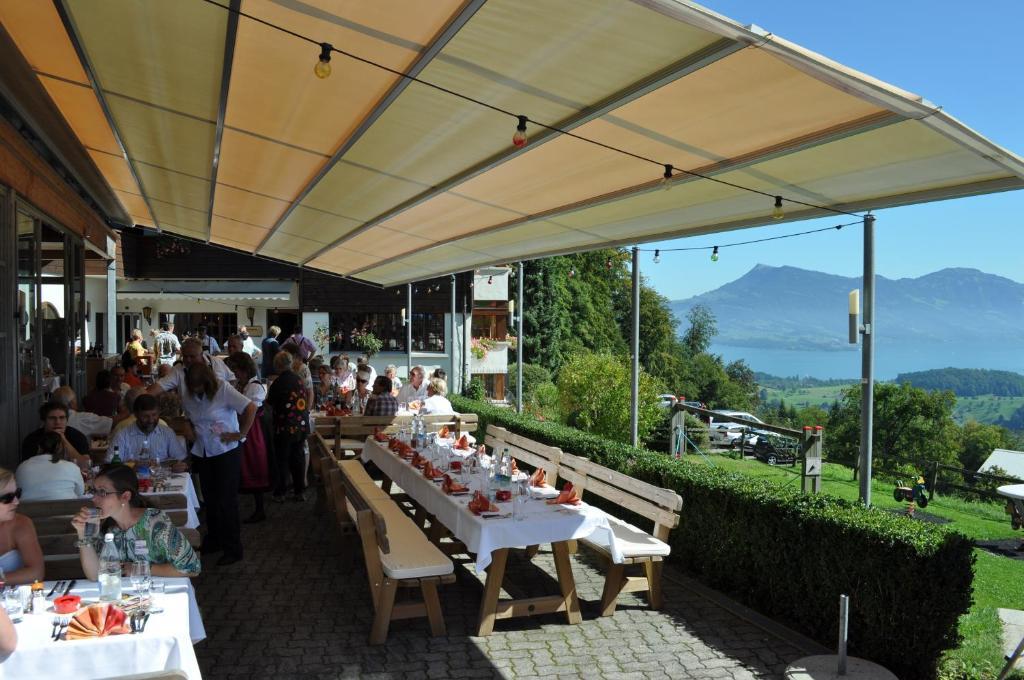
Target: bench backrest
{"x":526,"y":450}
{"x":659,"y":505}
{"x":361,"y":427}
{"x":373,"y":532}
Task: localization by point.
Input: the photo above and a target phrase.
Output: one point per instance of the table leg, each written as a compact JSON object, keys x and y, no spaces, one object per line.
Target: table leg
{"x":492,"y":590}
{"x":566,"y":581}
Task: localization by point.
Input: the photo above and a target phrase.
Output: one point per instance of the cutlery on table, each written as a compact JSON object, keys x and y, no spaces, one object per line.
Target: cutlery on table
{"x":70,"y":585}
{"x":65,"y":621}
{"x":56,"y":585}
{"x":56,"y":627}
{"x":145,"y":622}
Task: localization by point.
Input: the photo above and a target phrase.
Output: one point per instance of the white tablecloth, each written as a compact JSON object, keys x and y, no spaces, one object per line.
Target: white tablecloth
{"x":543,"y":524}
{"x":166,"y":644}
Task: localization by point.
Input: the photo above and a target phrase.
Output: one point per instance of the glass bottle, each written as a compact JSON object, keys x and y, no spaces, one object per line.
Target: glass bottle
{"x":110,"y":571}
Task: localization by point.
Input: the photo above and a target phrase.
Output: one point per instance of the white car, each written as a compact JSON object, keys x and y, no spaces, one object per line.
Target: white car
{"x":728,"y":433}
{"x":667,"y":401}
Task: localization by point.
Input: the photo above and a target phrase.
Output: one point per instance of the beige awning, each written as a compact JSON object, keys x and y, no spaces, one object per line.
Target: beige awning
{"x":213,"y":126}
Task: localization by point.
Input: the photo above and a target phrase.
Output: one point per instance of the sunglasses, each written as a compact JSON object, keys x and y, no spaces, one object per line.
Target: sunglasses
{"x":8,"y":498}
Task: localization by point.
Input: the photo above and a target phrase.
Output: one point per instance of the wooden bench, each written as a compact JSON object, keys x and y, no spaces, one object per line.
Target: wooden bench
{"x":396,"y":553}
{"x":638,"y":547}
{"x":52,"y":520}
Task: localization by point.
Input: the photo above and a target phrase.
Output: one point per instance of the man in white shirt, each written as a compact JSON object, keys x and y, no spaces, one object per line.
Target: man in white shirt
{"x":89,"y":424}
{"x":166,"y":344}
{"x":363,"y":364}
{"x":415,"y":389}
{"x":436,"y":403}
{"x":248,"y":346}
{"x":146,"y":434}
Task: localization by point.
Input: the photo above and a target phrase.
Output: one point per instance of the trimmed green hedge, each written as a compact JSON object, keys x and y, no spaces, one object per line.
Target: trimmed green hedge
{"x":790,"y":556}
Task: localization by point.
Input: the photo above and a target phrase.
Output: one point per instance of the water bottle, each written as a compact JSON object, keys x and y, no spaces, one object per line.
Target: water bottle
{"x":116,"y":458}
{"x":110,"y":571}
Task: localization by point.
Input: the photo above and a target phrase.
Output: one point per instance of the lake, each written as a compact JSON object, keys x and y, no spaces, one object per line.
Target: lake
{"x":889,"y":360}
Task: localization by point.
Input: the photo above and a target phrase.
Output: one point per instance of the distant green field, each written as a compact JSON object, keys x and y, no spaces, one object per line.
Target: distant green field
{"x":801,"y":397}
{"x":986,"y":408}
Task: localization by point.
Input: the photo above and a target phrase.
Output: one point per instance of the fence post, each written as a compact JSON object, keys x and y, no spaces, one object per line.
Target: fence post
{"x":810,"y":452}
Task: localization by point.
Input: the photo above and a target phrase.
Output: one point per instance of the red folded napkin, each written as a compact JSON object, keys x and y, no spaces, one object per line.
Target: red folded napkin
{"x":463,"y":443}
{"x":99,"y":620}
{"x":481,"y":503}
{"x":515,"y":468}
{"x":539,"y":477}
{"x":443,"y":433}
{"x":567,"y":497}
{"x":449,"y":485}
{"x":379,"y":435}
{"x":430,"y":472}
{"x":418,"y":460}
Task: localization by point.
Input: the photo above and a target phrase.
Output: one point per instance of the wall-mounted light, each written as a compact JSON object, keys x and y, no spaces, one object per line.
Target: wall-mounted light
{"x":403,"y":316}
{"x":251,"y":313}
{"x":854,"y":315}
{"x":147,"y":314}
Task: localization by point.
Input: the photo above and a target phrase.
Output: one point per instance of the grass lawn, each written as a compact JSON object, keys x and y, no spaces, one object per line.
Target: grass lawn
{"x":986,"y":408}
{"x":998,"y":581}
{"x":806,"y":396}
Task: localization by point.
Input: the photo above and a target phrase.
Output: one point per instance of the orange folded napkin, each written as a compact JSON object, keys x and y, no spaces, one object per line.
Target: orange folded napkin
{"x":463,"y":443}
{"x":481,"y":503}
{"x":99,"y":620}
{"x":515,"y":467}
{"x":443,"y":433}
{"x":567,"y":497}
{"x":449,"y":485}
{"x":430,"y":472}
{"x":379,"y":435}
{"x":539,"y":477}
{"x":394,"y":444}
{"x":418,"y":460}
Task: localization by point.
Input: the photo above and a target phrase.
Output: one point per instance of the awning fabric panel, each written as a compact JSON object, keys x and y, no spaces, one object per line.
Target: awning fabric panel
{"x":392,"y":181}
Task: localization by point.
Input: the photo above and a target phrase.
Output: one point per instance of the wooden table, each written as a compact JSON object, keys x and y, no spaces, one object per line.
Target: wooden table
{"x":491,"y":539}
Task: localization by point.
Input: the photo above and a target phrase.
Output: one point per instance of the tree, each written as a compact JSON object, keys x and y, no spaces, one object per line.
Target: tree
{"x":978,"y":441}
{"x":596,"y":395}
{"x":910,"y":424}
{"x":702,"y":330}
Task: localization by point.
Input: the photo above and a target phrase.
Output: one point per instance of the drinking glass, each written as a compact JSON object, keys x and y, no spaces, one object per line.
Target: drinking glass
{"x":92,"y":523}
{"x":521,"y":494}
{"x":157,"y":589}
{"x":12,"y":604}
{"x":141,"y":578}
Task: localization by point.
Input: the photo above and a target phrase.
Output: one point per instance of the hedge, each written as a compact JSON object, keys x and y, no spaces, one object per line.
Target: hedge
{"x":790,"y":555}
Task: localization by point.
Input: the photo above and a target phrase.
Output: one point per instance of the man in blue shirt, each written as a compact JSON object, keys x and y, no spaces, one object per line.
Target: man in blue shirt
{"x":148,"y":435}
{"x":269,"y":347}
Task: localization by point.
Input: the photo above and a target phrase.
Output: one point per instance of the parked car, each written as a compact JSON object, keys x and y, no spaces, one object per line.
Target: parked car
{"x":667,"y":401}
{"x":731,"y":434}
{"x":776,"y":449}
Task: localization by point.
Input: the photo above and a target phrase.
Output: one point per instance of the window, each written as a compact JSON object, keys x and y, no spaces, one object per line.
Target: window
{"x":28,"y":290}
{"x":427,"y":331}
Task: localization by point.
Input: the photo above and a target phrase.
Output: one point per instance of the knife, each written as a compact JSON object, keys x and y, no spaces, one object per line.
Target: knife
{"x":55,"y":586}
{"x":70,"y":586}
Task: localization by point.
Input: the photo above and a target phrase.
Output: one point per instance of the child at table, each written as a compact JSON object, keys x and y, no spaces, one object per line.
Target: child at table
{"x":125,"y":513}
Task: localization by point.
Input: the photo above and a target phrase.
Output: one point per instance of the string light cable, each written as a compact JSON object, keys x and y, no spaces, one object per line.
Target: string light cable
{"x":714,"y":249}
{"x":520,"y":137}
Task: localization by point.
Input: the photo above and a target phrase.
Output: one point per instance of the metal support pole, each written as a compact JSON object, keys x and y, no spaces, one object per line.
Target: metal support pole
{"x":634,"y":416}
{"x":519,"y":339}
{"x":844,"y":624}
{"x":867,"y":378}
{"x":451,"y":339}
{"x":408,"y":331}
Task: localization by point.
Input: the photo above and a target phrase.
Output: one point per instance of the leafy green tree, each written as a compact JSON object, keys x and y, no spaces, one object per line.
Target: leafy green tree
{"x":702,"y":330}
{"x":909,"y":423}
{"x":595,"y":394}
{"x":978,"y":441}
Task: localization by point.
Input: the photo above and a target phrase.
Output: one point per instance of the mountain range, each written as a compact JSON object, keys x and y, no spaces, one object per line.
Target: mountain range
{"x":793,"y":308}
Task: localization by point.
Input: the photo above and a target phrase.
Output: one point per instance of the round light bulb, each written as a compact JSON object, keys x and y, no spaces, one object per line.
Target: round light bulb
{"x":322,"y":69}
{"x":657,"y":257}
{"x":714,"y":254}
{"x":777,"y":212}
{"x":519,"y":139}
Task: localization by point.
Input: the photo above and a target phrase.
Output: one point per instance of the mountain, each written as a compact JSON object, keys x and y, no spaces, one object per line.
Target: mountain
{"x":793,"y":308}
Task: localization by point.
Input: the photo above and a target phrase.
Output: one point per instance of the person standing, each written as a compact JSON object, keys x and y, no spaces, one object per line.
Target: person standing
{"x":270,"y":347}
{"x":299,"y":345}
{"x":288,"y":397}
{"x":209,"y":343}
{"x":221,"y":418}
{"x":255,"y":453}
{"x":166,"y":344}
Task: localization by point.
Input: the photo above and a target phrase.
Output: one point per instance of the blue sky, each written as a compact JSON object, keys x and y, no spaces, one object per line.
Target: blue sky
{"x":956,"y":55}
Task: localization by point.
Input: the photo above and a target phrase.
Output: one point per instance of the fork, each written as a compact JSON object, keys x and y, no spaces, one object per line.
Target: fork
{"x":64,"y":622}
{"x":56,"y":627}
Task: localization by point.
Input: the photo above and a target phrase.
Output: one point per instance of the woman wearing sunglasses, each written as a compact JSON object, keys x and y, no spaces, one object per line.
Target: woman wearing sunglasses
{"x":21,"y":558}
{"x":125,"y":514}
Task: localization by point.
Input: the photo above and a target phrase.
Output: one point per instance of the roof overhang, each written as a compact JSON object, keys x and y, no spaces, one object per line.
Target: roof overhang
{"x":212,"y":126}
{"x":206,"y":290}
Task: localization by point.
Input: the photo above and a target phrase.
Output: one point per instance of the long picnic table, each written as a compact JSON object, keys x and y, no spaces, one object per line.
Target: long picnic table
{"x":491,"y":539}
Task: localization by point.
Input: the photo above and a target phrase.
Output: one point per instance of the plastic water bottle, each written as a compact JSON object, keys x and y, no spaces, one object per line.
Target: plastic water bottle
{"x":116,"y":458}
{"x":110,"y":571}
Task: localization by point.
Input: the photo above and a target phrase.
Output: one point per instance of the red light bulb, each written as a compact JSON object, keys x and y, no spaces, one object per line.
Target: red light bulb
{"x":519,"y":139}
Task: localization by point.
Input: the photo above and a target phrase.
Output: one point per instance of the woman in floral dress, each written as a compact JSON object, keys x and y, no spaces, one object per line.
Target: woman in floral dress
{"x":288,"y":398}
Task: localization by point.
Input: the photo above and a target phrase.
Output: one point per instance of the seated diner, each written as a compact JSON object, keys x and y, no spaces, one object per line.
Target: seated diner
{"x":21,"y":557}
{"x":50,"y":476}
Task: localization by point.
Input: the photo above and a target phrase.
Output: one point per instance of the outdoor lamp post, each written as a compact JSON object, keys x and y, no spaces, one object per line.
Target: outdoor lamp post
{"x":251,"y":313}
{"x":147,"y":314}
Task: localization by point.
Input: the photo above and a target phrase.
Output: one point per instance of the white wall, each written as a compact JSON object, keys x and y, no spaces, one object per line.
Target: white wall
{"x":96,"y":299}
{"x":497,"y":289}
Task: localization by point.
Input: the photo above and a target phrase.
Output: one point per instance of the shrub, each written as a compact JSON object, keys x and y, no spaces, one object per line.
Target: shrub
{"x":475,"y":389}
{"x":533,"y":376}
{"x":790,"y":556}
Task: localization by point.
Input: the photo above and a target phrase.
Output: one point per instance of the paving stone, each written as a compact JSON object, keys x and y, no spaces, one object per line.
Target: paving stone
{"x":289,"y":611}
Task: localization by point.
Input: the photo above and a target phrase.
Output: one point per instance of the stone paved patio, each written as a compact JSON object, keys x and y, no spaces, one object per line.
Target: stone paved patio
{"x":292,"y":610}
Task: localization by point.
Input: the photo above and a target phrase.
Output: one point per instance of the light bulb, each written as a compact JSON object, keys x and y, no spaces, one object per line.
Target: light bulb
{"x":322,"y":69}
{"x":777,"y":212}
{"x":657,"y":257}
{"x":519,"y":139}
{"x":490,"y":280}
{"x":666,"y":178}
{"x":572,"y":273}
{"x":714,"y":254}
